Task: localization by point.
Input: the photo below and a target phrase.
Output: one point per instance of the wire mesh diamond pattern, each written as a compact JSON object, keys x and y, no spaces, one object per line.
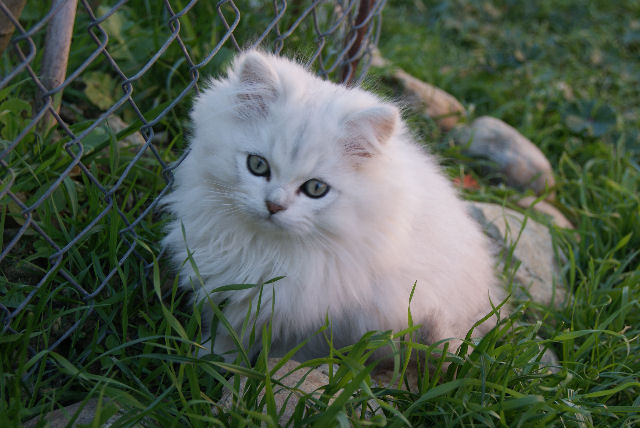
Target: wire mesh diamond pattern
{"x":71,"y":170}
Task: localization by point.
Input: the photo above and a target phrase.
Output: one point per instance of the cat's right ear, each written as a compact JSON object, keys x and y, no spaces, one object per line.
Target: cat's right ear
{"x":369,"y":129}
{"x":258,"y":86}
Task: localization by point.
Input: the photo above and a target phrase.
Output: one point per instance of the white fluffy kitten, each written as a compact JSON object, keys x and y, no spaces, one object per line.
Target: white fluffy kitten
{"x":290,"y":175}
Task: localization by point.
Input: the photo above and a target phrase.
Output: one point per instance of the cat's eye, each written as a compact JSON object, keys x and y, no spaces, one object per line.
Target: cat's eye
{"x":258,"y":165}
{"x":315,"y":188}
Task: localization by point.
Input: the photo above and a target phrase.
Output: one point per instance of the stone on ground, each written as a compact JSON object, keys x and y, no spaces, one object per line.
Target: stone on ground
{"x":297,"y":383}
{"x":538,"y":275}
{"x":548,"y":210}
{"x":427,"y":99}
{"x":437,"y":104}
{"x":86,"y":413}
{"x":523,"y":165}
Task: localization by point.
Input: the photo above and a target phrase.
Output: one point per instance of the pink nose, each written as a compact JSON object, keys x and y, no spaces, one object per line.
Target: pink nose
{"x":274,"y":208}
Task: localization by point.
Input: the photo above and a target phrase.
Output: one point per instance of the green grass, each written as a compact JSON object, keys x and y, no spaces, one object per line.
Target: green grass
{"x":567,"y":75}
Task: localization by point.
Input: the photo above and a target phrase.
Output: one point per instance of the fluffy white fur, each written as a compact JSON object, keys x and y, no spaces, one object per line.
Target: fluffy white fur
{"x":390,"y":218}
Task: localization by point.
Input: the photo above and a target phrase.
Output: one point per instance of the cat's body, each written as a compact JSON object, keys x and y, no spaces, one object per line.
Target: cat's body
{"x":293,"y":176}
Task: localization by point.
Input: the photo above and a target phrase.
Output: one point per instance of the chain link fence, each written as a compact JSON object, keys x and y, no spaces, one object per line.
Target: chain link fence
{"x":86,"y":155}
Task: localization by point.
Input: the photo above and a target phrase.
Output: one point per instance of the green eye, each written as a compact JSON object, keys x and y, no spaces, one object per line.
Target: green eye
{"x":315,"y":188}
{"x":258,"y":165}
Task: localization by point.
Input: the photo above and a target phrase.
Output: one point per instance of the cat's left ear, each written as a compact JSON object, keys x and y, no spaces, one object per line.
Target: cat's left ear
{"x":368,"y":130}
{"x":259,"y":84}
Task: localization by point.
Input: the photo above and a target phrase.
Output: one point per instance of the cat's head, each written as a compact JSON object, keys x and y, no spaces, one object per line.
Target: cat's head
{"x":285,"y":151}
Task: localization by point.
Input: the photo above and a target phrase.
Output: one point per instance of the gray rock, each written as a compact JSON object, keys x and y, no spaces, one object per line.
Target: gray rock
{"x":538,"y":273}
{"x":298,"y":381}
{"x":60,"y":418}
{"x":427,"y":99}
{"x":549,"y":360}
{"x":435,"y":103}
{"x":522,"y":163}
{"x":547,"y":209}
